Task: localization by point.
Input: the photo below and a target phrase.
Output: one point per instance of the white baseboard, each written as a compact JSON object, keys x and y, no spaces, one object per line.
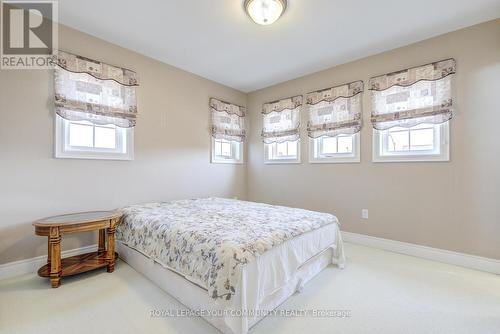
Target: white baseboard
{"x":28,"y":266}
{"x":435,"y":254}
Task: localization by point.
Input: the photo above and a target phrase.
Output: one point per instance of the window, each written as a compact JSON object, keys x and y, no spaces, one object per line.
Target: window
{"x":280,"y":130}
{"x":338,"y":149}
{"x":334,"y":123}
{"x":411,"y":110}
{"x":96,"y":109}
{"x":228,"y":131}
{"x":283,"y":152}
{"x":423,"y":142}
{"x":85,"y":140}
{"x":226,"y":151}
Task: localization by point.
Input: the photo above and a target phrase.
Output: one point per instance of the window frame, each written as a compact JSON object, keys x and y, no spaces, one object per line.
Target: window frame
{"x":219,"y":160}
{"x":62,"y":149}
{"x":271,"y":161}
{"x":443,"y":141}
{"x":336,"y":158}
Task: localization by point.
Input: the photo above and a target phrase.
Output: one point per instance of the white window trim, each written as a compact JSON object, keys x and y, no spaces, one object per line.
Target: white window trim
{"x":61,"y":152}
{"x":444,"y":154}
{"x":279,"y":161}
{"x":216,"y":160}
{"x":338,"y":158}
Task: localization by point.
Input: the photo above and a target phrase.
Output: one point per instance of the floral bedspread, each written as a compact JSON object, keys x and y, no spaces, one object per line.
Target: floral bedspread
{"x":209,"y":240}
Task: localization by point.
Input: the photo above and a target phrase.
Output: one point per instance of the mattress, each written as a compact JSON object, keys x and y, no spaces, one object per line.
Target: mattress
{"x":284,"y":248}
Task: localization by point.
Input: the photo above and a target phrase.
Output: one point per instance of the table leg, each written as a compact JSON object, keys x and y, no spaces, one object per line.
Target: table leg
{"x":49,"y":251}
{"x":102,"y":241}
{"x":55,"y":256}
{"x":110,"y":256}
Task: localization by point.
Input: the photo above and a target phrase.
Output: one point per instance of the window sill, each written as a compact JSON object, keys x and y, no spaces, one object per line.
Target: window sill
{"x":412,"y":158}
{"x":335,"y":161}
{"x":229,"y":162}
{"x":92,"y":156}
{"x":282,"y":162}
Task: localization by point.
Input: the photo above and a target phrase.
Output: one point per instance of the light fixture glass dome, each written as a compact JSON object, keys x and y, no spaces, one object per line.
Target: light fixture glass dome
{"x":265,"y":11}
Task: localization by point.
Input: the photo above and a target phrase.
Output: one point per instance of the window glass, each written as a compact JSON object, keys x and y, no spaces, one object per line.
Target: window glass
{"x":423,"y":142}
{"x":226,"y":151}
{"x":85,"y":140}
{"x":339,"y":149}
{"x":81,"y":135}
{"x":398,"y":140}
{"x":344,"y":144}
{"x":328,"y":145}
{"x":105,"y":137}
{"x":287,"y":151}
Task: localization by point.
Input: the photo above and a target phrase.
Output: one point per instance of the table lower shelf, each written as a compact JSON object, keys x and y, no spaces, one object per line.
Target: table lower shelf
{"x":78,"y":264}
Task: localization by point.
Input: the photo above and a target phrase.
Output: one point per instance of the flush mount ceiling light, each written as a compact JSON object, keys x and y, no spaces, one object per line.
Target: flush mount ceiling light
{"x":265,"y":11}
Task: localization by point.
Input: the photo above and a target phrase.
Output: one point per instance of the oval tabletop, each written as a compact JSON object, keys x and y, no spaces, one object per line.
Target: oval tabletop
{"x":75,"y":218}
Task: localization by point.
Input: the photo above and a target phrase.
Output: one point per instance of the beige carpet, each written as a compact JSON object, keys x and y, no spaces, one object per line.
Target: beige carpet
{"x":385,"y":293}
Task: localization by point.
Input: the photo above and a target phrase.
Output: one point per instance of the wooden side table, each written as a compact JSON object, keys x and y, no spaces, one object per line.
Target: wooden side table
{"x":54,"y":227}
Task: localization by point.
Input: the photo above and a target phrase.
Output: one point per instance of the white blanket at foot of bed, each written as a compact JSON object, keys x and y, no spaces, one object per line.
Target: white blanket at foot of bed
{"x":265,"y":283}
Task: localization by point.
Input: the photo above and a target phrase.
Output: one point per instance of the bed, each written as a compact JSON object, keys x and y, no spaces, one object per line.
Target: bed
{"x":230,"y":261}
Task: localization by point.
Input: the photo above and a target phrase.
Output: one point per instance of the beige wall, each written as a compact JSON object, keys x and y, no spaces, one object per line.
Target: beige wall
{"x":452,"y":205}
{"x":171,"y":148}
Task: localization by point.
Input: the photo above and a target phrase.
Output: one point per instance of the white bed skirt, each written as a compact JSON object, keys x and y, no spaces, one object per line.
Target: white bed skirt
{"x":265,"y":283}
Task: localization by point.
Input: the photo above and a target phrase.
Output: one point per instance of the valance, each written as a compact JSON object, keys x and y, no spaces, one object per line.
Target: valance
{"x":331,"y":94}
{"x":281,"y":120}
{"x":93,"y":91}
{"x":227,"y":107}
{"x":95,"y":68}
{"x":280,"y":105}
{"x":413,"y":96}
{"x":335,"y":111}
{"x":228,"y":120}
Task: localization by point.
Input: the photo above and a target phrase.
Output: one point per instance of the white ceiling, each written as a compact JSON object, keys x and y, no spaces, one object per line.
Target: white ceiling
{"x":216,"y":40}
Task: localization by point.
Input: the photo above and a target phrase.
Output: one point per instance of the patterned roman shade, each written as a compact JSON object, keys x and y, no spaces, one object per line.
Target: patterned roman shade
{"x":228,"y":120}
{"x":413,"y":96}
{"x":90,"y":90}
{"x":335,"y":110}
{"x":281,"y":120}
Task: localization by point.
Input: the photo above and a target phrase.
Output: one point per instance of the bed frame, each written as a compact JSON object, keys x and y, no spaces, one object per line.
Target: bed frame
{"x":196,"y":297}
